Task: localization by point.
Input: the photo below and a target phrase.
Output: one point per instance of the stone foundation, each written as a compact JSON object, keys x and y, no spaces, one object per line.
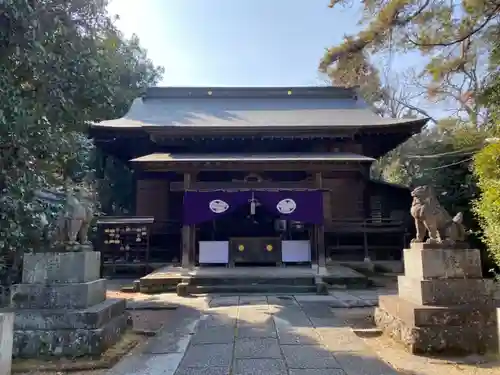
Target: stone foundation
{"x":68,"y":342}
{"x":423,"y":329}
{"x":443,"y":305}
{"x":61,"y":307}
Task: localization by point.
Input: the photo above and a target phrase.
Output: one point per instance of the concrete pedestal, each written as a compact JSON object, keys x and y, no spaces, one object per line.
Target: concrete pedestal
{"x":61,"y":309}
{"x":6,"y":338}
{"x":443,"y":304}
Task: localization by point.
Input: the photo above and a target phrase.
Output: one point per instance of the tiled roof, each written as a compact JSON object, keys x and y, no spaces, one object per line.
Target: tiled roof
{"x":250,"y":107}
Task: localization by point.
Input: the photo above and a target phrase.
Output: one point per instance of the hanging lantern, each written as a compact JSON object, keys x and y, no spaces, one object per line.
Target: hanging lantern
{"x":254,"y":203}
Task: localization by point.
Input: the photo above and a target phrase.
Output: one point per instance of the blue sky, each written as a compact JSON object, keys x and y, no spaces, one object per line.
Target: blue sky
{"x":236,"y":42}
{"x":244,"y":43}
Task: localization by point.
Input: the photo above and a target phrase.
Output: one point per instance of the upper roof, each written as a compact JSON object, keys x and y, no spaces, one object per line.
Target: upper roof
{"x":229,"y":107}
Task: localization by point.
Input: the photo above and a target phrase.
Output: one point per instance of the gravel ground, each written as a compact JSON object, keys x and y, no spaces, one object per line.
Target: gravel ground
{"x":144,"y":320}
{"x":97,"y":372}
{"x":408,"y":364}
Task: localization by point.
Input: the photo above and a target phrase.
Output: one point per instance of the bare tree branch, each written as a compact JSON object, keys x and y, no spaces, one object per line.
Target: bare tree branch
{"x":488,"y":18}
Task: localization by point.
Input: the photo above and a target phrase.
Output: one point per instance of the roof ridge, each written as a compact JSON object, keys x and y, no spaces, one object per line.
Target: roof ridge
{"x":251,"y":92}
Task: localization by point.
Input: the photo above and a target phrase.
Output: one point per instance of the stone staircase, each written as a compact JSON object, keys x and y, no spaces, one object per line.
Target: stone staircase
{"x":256,"y":284}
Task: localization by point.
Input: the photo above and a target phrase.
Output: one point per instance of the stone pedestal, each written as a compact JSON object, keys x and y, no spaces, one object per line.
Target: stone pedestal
{"x":6,"y":333}
{"x":443,"y":303}
{"x":61,"y":309}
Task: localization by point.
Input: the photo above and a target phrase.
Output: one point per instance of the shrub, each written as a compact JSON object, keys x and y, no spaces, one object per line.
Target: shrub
{"x":487,"y":207}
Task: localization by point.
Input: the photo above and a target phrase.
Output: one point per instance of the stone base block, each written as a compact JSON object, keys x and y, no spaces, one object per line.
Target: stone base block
{"x":6,"y":337}
{"x":449,"y":330}
{"x":421,"y":262}
{"x":183,"y":289}
{"x":93,"y":317}
{"x":58,"y":296}
{"x":68,"y":342}
{"x":70,"y":267}
{"x":322,"y":288}
{"x":446,"y":292}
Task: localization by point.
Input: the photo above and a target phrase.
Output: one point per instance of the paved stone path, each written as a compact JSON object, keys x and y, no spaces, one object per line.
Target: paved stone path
{"x":254,"y":335}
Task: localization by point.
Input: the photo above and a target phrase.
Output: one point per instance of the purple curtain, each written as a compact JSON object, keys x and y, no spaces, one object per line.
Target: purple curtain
{"x":305,"y":206}
{"x":201,"y":206}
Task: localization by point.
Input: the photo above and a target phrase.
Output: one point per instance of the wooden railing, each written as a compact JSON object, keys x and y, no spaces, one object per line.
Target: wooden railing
{"x":166,"y":227}
{"x":380,"y":225}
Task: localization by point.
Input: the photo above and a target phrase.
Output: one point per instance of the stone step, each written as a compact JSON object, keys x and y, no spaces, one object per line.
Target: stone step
{"x":251,"y":281}
{"x":348,"y":282}
{"x":258,"y":288}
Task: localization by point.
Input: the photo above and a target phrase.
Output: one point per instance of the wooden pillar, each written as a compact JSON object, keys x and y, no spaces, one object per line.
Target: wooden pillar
{"x":365,"y":176}
{"x":320,"y":231}
{"x":167,"y":201}
{"x":187,"y":233}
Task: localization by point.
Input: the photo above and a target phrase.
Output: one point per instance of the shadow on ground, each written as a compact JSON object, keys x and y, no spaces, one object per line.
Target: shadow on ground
{"x":269,"y":335}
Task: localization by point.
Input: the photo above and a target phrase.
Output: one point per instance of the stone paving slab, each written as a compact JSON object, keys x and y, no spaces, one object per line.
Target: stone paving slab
{"x":203,"y":371}
{"x":224,"y":301}
{"x":218,"y":355}
{"x":160,"y":364}
{"x":217,"y":320}
{"x":259,"y":366}
{"x":176,"y":334}
{"x":314,"y":371}
{"x":283,"y":300}
{"x":309,"y":357}
{"x":363,"y":363}
{"x":257,"y":348}
{"x":248,"y":331}
{"x":244,"y":300}
{"x":298,"y":336}
{"x":214,"y":335}
{"x":167,"y":342}
{"x":291,"y":317}
{"x":254,"y":335}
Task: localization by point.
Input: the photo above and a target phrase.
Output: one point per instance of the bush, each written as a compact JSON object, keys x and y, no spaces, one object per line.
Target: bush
{"x":487,"y":207}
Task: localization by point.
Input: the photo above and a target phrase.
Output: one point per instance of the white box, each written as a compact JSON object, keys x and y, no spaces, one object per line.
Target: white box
{"x":295,"y":251}
{"x":214,"y":252}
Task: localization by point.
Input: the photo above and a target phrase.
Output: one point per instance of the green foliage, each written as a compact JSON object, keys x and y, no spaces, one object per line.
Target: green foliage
{"x":490,"y":97}
{"x":487,"y":207}
{"x":116,"y":190}
{"x":62,"y":65}
{"x":456,"y":38}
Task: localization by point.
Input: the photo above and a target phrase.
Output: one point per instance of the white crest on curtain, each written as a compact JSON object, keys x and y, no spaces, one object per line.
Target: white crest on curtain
{"x":286,"y":206}
{"x":218,"y":206}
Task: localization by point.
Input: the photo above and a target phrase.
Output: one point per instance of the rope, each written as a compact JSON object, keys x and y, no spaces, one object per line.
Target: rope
{"x":448,"y":165}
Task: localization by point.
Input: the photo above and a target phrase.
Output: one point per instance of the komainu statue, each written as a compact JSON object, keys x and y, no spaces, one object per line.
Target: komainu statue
{"x":431,"y":218}
{"x":74,"y":222}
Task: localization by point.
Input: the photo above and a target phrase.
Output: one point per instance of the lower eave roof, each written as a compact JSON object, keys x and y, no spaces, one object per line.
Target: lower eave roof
{"x":258,"y":158}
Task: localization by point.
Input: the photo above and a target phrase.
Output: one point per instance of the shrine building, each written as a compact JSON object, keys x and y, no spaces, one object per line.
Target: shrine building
{"x":262,"y":175}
